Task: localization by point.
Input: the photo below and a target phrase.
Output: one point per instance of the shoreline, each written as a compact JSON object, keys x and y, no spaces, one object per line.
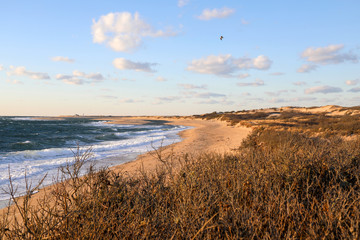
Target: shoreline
{"x":204,"y":136}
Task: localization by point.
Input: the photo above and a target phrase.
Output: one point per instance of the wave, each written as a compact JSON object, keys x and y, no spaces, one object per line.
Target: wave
{"x":127,"y":145}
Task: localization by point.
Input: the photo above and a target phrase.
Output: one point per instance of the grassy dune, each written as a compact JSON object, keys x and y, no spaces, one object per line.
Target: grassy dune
{"x":293,"y":180}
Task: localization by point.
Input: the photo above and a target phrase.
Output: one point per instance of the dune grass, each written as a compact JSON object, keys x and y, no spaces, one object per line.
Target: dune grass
{"x":277,"y":185}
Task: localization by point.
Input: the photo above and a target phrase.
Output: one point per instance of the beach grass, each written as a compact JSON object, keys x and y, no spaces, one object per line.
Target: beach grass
{"x":279,"y":184}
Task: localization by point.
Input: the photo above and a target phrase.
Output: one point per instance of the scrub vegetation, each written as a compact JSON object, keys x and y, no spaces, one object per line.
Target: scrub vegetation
{"x":294,"y":178}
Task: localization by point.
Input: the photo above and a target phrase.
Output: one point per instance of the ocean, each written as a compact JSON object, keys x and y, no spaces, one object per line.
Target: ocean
{"x":35,"y":147}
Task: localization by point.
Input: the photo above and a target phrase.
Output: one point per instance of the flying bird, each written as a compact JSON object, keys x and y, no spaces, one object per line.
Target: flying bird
{"x":221,"y":37}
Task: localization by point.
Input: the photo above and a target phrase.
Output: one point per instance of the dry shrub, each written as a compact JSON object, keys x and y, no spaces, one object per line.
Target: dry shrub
{"x":279,"y":185}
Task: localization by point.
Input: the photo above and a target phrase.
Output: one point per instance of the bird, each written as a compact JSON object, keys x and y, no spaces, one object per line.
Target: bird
{"x":221,"y":37}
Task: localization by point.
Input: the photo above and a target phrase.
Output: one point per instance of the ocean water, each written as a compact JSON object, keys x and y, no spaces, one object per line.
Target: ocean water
{"x":35,"y":147}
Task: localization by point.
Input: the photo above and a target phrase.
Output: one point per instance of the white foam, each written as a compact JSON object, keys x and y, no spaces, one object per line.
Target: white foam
{"x":36,"y":163}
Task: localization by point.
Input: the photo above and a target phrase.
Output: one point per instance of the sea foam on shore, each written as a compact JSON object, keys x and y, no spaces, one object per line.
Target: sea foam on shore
{"x":39,"y":147}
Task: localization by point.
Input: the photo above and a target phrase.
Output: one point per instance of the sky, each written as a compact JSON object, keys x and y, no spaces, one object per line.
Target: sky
{"x":166,"y":57}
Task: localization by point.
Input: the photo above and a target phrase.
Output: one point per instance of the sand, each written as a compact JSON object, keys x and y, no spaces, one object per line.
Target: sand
{"x":205,"y":136}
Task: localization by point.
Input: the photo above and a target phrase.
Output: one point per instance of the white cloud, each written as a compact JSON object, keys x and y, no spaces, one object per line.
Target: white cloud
{"x":328,"y":55}
{"x":208,"y":14}
{"x":79,"y":78}
{"x":161,"y":79}
{"x":262,"y":62}
{"x":352,"y":82}
{"x":1,"y":67}
{"x":124,"y":31}
{"x":323,"y":89}
{"x":96,"y":77}
{"x":191,"y":86}
{"x":123,"y":64}
{"x":226,"y":65}
{"x":73,"y":81}
{"x":246,"y":94}
{"x":256,"y":83}
{"x":62,"y":59}
{"x":21,"y":71}
{"x":356,"y":89}
{"x":299,"y":83}
{"x":182,"y":3}
{"x":218,"y":65}
{"x":305,"y":68}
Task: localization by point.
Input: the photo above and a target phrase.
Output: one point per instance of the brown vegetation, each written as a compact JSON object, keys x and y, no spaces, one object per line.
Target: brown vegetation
{"x":277,"y":185}
{"x":293,"y":119}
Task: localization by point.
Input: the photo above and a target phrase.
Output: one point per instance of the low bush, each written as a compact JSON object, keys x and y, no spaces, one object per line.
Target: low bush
{"x":278,"y":185}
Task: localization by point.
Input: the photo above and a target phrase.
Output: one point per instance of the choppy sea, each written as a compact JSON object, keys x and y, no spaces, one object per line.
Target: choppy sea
{"x":33,"y":147}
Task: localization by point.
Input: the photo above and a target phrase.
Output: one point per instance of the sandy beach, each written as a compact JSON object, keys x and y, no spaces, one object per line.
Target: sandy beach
{"x":204,"y":136}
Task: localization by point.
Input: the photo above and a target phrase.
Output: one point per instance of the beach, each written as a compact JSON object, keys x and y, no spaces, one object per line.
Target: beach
{"x":205,"y":136}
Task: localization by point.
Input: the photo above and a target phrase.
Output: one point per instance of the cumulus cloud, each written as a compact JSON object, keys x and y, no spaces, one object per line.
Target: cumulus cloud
{"x":182,"y":3}
{"x":79,"y":78}
{"x":256,"y":83}
{"x":299,"y":83}
{"x":226,"y":65}
{"x":323,"y":89}
{"x":357,"y":89}
{"x":191,"y":86}
{"x":352,"y":82}
{"x":124,"y":31}
{"x":305,"y":68}
{"x":21,"y":71}
{"x":209,"y":14}
{"x":124,"y":64}
{"x":62,"y":59}
{"x":328,"y":55}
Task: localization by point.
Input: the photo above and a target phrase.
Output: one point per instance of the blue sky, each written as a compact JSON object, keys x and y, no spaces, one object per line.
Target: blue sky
{"x":166,"y":57}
